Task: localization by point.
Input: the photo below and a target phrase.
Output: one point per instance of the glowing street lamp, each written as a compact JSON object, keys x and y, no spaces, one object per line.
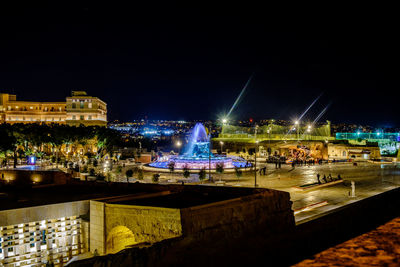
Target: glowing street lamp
{"x":221,"y":143}
{"x":224,"y":120}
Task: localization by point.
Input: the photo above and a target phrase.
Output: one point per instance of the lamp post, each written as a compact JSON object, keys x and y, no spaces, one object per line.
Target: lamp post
{"x":255,"y":155}
{"x":209,"y":156}
{"x":309,"y":131}
{"x":297,"y":128}
{"x":221,"y":143}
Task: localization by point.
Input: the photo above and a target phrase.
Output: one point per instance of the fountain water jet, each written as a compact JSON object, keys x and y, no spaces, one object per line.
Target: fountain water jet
{"x":197,"y":154}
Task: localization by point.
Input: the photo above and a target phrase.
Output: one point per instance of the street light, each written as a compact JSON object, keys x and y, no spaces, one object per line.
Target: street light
{"x":178,"y":145}
{"x":298,"y":128}
{"x":255,"y":156}
{"x":221,"y":143}
{"x":224,"y":120}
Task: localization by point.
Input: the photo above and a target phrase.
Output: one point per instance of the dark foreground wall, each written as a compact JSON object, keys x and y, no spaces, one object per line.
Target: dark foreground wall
{"x":260,"y":247}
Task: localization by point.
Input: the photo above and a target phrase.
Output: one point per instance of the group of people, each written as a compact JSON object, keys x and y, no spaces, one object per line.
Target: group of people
{"x":328,"y":179}
{"x":262,"y":171}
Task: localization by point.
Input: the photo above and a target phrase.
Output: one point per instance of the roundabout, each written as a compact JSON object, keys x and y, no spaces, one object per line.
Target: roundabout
{"x":198,"y":156}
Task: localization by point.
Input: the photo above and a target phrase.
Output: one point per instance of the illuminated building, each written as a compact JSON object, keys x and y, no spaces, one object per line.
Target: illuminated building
{"x":86,"y":110}
{"x":389,"y":143}
{"x":78,"y":109}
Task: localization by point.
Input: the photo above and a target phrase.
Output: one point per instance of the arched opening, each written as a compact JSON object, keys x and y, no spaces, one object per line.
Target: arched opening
{"x":119,"y":238}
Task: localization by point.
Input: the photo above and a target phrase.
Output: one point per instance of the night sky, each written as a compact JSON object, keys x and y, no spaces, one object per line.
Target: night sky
{"x":190,"y":62}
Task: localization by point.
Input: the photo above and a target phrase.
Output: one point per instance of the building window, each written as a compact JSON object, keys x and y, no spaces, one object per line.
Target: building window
{"x":82,"y":104}
{"x":90,"y":105}
{"x":73,"y":105}
{"x":30,"y":107}
{"x":344,"y":153}
{"x":89,"y":117}
{"x":82,"y":118}
{"x":73,"y":117}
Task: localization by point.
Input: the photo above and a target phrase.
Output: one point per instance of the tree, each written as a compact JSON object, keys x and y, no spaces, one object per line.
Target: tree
{"x":128,"y":173}
{"x":219,"y":168}
{"x":202,"y":174}
{"x":118,"y":170}
{"x":155,"y":178}
{"x":140,"y":174}
{"x":171,"y":167}
{"x":238,"y":172}
{"x":186,"y":171}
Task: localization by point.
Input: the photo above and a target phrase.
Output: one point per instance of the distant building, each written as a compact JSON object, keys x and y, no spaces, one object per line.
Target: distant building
{"x":78,"y":109}
{"x":86,"y":110}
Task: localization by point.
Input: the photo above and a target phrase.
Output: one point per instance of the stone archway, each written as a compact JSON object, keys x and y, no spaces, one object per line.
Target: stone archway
{"x":119,"y":238}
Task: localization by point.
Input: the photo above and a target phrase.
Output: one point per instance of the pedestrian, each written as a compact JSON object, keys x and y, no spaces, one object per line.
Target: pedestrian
{"x":339,"y":178}
{"x":276,"y":164}
{"x":324,"y":178}
{"x":264,"y":170}
{"x":319,"y":181}
{"x":279,"y":163}
{"x":330,"y":177}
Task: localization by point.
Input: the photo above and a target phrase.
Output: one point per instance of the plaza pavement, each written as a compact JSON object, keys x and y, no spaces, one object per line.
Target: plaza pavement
{"x":370,"y":179}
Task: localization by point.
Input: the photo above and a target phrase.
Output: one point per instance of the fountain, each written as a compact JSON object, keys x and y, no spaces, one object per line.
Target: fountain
{"x":197,"y":154}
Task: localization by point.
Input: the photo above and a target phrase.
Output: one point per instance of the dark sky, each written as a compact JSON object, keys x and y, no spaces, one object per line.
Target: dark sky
{"x":176,"y":61}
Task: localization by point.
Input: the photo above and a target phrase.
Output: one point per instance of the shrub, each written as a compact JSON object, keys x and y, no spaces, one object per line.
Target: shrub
{"x":202,"y":174}
{"x":140,"y":174}
{"x":155,"y":178}
{"x":129,"y":173}
{"x":186,"y":171}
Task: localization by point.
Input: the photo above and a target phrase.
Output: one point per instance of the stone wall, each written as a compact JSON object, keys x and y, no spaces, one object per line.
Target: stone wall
{"x":268,"y":210}
{"x":96,"y":229}
{"x":148,"y":224}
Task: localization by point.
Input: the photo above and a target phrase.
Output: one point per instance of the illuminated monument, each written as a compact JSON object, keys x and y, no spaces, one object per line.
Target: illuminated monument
{"x":197,"y":154}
